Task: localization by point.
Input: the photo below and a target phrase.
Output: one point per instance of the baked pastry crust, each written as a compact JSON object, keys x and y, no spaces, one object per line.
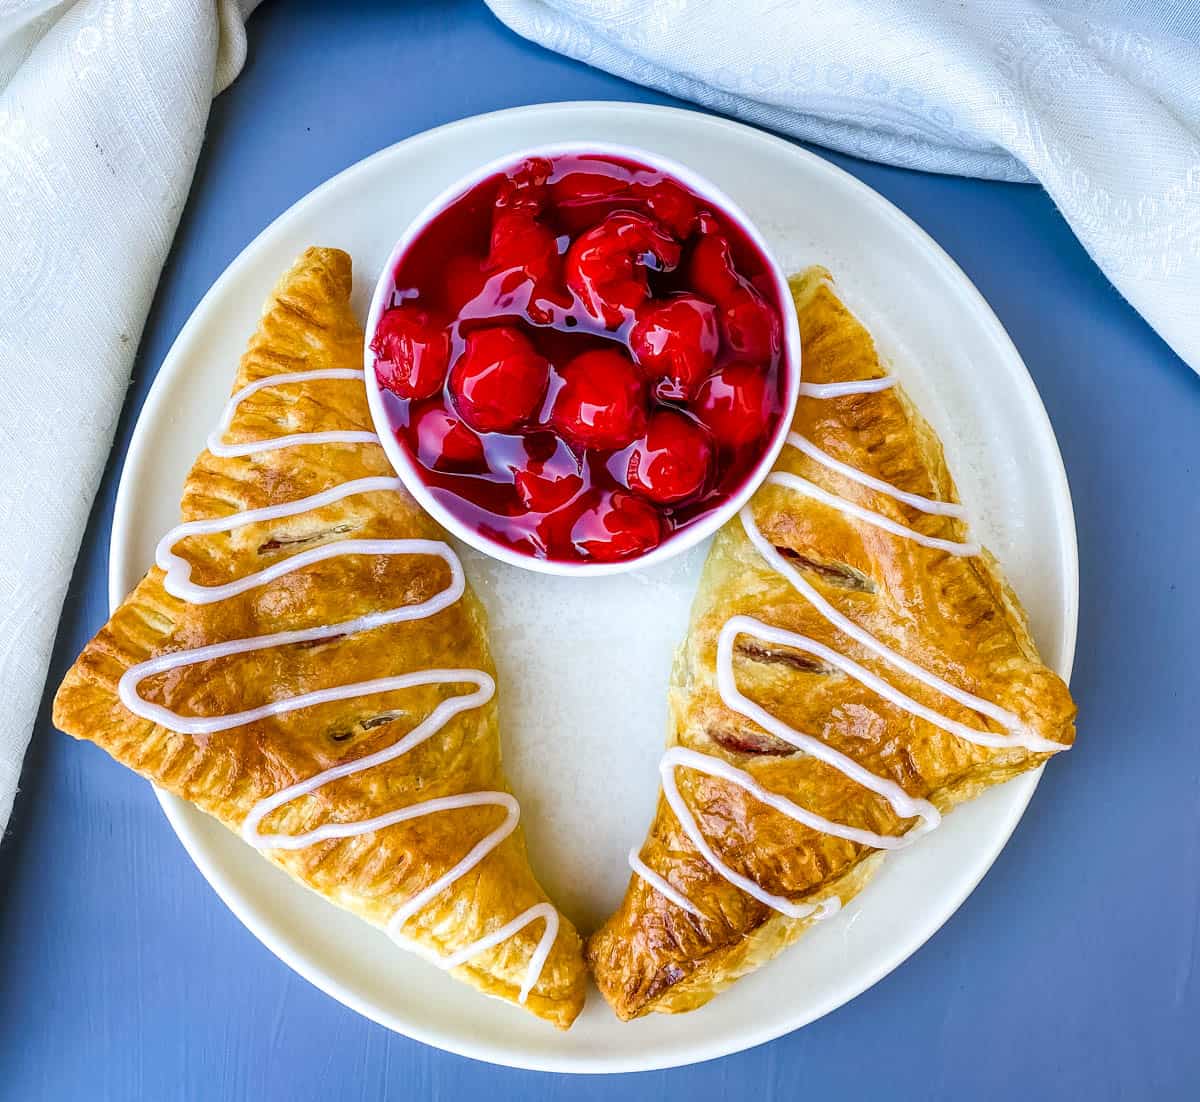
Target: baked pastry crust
{"x":308,"y":325}
{"x":951,"y":614}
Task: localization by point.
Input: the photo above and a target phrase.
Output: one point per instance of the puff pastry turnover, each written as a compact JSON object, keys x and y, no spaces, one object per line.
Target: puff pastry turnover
{"x":854,"y":668}
{"x":307,"y":664}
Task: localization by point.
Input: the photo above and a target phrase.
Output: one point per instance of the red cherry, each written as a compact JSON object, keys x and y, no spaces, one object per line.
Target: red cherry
{"x":671,"y":203}
{"x":581,"y":186}
{"x":600,"y":402}
{"x":734,"y":403}
{"x":671,"y":461}
{"x":551,"y":534}
{"x":710,"y":269}
{"x":617,"y":526}
{"x":443,"y":441}
{"x":498,"y":380}
{"x":464,"y":282}
{"x":411,"y":350}
{"x":749,"y":326}
{"x":606,"y":267}
{"x":677,"y":341}
{"x":521,"y":241}
{"x":521,"y":244}
{"x":546,"y":484}
{"x":525,"y":187}
{"x":582,"y":198}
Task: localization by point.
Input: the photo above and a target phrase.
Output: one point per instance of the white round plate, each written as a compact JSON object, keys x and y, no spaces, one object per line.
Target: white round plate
{"x":583,"y":662}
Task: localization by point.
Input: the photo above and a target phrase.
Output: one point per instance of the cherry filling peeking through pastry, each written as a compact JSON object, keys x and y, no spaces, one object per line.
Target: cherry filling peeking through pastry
{"x":582,"y":357}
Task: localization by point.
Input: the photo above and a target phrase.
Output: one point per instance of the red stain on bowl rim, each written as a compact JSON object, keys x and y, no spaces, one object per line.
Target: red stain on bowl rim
{"x":582,"y":357}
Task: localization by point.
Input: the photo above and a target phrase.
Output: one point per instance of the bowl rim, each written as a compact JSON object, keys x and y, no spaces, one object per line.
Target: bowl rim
{"x":679,"y":542}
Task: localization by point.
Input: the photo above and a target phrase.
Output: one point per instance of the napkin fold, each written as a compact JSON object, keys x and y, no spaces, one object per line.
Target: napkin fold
{"x":1098,"y":100}
{"x":103,"y":105}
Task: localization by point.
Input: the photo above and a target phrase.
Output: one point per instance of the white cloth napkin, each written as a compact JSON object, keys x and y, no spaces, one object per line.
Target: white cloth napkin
{"x":1099,"y":100}
{"x":103,"y":105}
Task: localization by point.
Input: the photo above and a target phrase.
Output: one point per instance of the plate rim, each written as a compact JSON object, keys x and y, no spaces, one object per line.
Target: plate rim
{"x":177,"y":811}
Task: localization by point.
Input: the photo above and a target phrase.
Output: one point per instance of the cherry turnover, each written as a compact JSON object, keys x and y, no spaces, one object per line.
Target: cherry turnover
{"x":582,"y":357}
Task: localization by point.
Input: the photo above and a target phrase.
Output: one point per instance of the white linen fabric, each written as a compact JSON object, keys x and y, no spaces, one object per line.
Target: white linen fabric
{"x":1099,"y":100}
{"x":103,"y":105}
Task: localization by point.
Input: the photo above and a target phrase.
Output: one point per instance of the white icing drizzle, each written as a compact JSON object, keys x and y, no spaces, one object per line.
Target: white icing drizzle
{"x":716,"y":767}
{"x":179,"y":570}
{"x":851,"y":508}
{"x":906,"y":806}
{"x":661,"y":884}
{"x":1019,"y":733}
{"x":746,"y":625}
{"x":854,"y":386}
{"x":537,"y":962}
{"x":179,"y":584}
{"x":924,"y":504}
{"x":1016,"y":732}
{"x":337,"y":436}
{"x":445,"y":711}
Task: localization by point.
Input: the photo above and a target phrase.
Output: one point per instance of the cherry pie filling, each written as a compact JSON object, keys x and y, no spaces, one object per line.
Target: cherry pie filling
{"x":582,"y":357}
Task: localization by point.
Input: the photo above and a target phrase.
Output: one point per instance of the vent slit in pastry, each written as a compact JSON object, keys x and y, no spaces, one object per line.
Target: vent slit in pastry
{"x":833,"y":573}
{"x":313,"y":644}
{"x":379,"y":720}
{"x":783,"y":656}
{"x":747,"y":740}
{"x":345,"y":733}
{"x":277,"y":543}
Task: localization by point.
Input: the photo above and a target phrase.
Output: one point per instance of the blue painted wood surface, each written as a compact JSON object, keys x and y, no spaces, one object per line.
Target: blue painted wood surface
{"x":1074,"y":969}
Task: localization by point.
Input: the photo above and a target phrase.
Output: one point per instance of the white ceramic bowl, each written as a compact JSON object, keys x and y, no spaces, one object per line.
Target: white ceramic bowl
{"x":687,"y":537}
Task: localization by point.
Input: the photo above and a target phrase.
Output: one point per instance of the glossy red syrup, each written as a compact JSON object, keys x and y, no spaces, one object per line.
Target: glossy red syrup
{"x":582,"y":357}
